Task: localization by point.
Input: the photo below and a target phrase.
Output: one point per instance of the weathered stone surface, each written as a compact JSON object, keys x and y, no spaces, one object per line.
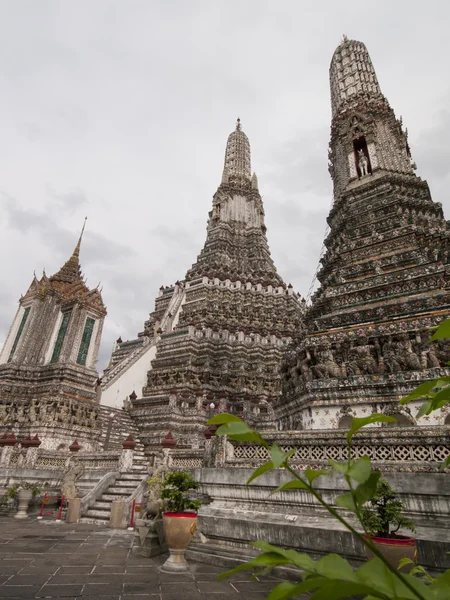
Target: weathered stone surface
{"x":384,"y":272}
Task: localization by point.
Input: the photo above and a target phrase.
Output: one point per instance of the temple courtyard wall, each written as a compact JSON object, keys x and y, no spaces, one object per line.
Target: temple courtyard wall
{"x":239,"y":514}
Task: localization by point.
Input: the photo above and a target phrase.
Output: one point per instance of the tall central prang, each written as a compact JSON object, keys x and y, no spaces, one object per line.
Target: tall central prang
{"x":216,"y":339}
{"x":385,"y":272}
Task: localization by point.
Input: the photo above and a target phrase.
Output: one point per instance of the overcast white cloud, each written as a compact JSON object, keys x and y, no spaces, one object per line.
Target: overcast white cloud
{"x":120,"y":110}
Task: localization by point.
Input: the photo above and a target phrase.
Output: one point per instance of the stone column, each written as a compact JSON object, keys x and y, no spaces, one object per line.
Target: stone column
{"x":125,"y":460}
{"x":31,"y":457}
{"x":6,"y":455}
{"x":73,"y":510}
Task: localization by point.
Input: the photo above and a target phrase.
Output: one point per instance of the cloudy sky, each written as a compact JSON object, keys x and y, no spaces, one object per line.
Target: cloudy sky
{"x":120,"y":110}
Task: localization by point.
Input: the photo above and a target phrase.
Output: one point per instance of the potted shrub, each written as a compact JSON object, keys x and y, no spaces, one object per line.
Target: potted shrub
{"x":23,"y":492}
{"x":382,"y":519}
{"x":179,"y":517}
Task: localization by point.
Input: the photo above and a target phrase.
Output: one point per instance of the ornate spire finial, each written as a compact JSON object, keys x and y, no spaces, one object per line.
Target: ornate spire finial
{"x":237,"y":154}
{"x":76,"y":252}
{"x":344,"y":39}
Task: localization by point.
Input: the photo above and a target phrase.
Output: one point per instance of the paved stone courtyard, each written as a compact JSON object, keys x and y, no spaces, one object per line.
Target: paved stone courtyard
{"x":43,"y":559}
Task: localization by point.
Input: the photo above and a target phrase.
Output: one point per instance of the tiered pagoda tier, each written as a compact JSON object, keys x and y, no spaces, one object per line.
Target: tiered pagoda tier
{"x":48,"y":380}
{"x":220,"y":333}
{"x":385,"y":273}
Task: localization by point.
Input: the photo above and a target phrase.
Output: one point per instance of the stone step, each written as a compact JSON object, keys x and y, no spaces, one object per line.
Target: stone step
{"x":121,"y":491}
{"x":126,"y":483}
{"x":127,"y":476}
{"x":102,"y":505}
{"x":109,"y":497}
{"x":92,"y":520}
{"x":98,"y":514}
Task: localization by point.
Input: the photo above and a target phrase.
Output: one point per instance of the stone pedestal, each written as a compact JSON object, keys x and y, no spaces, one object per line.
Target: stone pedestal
{"x":24,"y":497}
{"x":73,"y":510}
{"x":117,"y":514}
{"x":148,"y":538}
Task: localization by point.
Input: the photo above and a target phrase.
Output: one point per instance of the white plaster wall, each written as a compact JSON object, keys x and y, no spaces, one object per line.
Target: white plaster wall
{"x":133,"y":378}
{"x":52,"y":342}
{"x":11,"y":335}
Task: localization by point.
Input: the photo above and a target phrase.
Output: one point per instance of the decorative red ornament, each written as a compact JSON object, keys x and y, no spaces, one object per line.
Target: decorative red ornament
{"x":169,"y":441}
{"x":26,"y":442}
{"x":129,"y":443}
{"x":75,"y":446}
{"x":9,"y":439}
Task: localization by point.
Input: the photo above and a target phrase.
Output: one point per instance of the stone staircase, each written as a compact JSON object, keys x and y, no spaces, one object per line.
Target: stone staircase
{"x":114,"y":431}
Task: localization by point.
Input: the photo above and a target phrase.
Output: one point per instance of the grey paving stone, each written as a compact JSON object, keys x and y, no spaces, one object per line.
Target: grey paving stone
{"x":175,"y":577}
{"x":142,"y":597}
{"x":6,"y":570}
{"x":209,"y":587}
{"x":102,"y":589}
{"x":59,"y":591}
{"x":109,"y":569}
{"x":245,"y":587}
{"x":185,"y":595}
{"x":35,"y":579}
{"x":65,"y":579}
{"x":82,"y":570}
{"x":18,"y":591}
{"x":142,"y":588}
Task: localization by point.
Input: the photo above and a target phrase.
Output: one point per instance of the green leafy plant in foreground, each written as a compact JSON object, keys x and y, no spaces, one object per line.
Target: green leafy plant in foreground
{"x":332,"y":577}
{"x":175,"y":492}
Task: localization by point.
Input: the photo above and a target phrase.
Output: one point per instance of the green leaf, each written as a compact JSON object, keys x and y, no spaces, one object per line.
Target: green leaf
{"x":375,"y":574}
{"x":268,"y":559}
{"x":268,"y":466}
{"x":298,"y":559}
{"x":441,"y":398}
{"x":357,"y":424}
{"x":240,"y":432}
{"x":442,"y":332}
{"x":424,"y":389}
{"x":366,"y":491}
{"x":337,"y":466}
{"x":295,"y":484}
{"x":425,"y":409}
{"x":440,"y":586}
{"x":222,"y":418}
{"x":360,"y":469}
{"x":287,"y":590}
{"x":404,"y":562}
{"x":346,"y":501}
{"x":334,"y":566}
{"x":311,"y":474}
{"x":278,"y":456}
{"x":337,"y":589}
{"x":446,"y":463}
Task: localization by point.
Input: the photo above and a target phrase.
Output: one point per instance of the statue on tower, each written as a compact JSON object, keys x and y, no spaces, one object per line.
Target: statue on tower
{"x":363,"y":163}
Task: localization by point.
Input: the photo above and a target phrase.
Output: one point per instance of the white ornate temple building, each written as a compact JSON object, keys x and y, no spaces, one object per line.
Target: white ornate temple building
{"x":48,"y":378}
{"x":215,"y":339}
{"x":384,"y":276}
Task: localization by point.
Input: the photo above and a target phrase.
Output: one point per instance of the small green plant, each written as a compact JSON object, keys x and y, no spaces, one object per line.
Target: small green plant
{"x":12,"y":491}
{"x":175,"y":492}
{"x":385,"y":513}
{"x":33,"y":486}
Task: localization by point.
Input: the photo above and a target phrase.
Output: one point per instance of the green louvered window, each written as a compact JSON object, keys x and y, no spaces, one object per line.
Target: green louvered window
{"x":19,"y":332}
{"x":85,"y":341}
{"x":61,"y":335}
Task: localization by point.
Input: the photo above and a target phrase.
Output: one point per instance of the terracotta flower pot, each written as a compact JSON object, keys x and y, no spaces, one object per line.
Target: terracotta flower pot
{"x":178,"y":529}
{"x":394,"y":549}
{"x":24,"y":497}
